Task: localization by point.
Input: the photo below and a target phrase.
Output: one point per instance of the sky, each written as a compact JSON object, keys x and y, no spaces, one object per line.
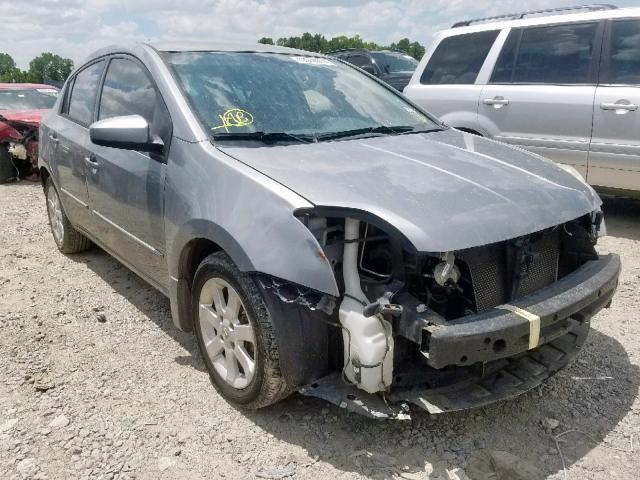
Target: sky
{"x":75,"y":28}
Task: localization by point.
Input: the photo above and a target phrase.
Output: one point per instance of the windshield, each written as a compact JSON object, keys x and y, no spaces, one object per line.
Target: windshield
{"x":237,"y":94}
{"x":41,"y":98}
{"x":394,"y":62}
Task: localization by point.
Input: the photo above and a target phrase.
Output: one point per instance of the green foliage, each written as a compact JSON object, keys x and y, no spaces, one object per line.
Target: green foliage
{"x":46,"y":67}
{"x":319,"y":43}
{"x":50,"y":67}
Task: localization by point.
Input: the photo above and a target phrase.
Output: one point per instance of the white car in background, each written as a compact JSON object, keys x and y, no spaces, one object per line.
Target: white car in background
{"x":563,"y":85}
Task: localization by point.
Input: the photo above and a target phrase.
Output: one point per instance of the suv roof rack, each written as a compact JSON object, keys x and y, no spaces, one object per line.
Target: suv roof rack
{"x":554,"y":11}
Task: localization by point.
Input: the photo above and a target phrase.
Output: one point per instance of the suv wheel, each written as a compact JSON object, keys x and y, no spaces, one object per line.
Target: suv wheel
{"x":67,"y":238}
{"x":235,"y":335}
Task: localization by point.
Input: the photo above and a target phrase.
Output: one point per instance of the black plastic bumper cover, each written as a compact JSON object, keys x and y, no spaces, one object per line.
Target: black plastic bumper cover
{"x":500,"y":333}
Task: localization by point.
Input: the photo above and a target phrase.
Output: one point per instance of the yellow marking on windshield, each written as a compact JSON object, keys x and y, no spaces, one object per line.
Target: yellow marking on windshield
{"x":234,"y":117}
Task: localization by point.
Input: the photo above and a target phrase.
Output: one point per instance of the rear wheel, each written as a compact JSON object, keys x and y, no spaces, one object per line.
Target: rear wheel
{"x":8,"y":171}
{"x":67,"y":238}
{"x":235,"y":335}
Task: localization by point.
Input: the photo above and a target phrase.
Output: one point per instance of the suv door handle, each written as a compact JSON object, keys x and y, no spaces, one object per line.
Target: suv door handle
{"x":496,"y":102}
{"x":629,"y":107}
{"x":53,"y":137}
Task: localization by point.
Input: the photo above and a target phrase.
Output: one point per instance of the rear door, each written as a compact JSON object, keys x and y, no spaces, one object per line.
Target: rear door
{"x":448,"y":85}
{"x":540,"y":94}
{"x":614,"y":158}
{"x":126,"y":187}
{"x":70,"y":134}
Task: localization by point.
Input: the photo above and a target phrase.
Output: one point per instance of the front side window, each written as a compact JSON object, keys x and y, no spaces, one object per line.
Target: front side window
{"x":127,"y":90}
{"x":359,"y":60}
{"x":41,"y":98}
{"x":83,"y":95}
{"x":240,"y":93}
{"x":624,"y":60}
{"x":458,"y":59}
{"x":393,"y":62}
{"x":557,"y":54}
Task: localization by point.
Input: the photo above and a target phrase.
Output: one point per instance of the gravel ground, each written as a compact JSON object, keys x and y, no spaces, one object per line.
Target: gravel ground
{"x":95,"y":382}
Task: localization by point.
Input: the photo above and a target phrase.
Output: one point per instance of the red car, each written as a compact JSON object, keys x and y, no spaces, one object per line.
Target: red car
{"x":22,"y":105}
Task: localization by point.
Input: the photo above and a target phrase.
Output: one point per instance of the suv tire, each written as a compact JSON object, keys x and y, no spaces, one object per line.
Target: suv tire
{"x":235,"y":335}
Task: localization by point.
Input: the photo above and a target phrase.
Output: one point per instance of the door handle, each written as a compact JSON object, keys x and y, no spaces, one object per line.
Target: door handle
{"x":496,"y":102}
{"x":92,"y":163}
{"x":623,"y":107}
{"x":53,"y":137}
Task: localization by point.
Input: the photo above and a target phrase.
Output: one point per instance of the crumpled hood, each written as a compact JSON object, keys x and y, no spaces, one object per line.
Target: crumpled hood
{"x":29,"y":117}
{"x":445,"y":190}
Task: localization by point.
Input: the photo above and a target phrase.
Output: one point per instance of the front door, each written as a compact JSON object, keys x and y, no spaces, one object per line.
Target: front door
{"x":614,"y":157}
{"x":126,"y":187}
{"x":540,"y":95}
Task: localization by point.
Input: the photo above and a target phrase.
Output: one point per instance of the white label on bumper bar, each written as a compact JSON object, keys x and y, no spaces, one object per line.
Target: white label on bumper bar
{"x":534,"y":323}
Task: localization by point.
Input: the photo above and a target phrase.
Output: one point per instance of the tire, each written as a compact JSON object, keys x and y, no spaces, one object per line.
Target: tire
{"x":216,"y":284}
{"x":67,"y":238}
{"x":8,"y":171}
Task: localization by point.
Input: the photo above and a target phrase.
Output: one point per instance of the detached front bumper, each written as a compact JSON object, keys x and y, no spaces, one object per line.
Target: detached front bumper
{"x":526,"y":323}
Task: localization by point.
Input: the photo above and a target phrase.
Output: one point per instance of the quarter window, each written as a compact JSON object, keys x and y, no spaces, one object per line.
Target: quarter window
{"x":557,"y":54}
{"x":83,"y":95}
{"x":458,"y":59}
{"x":624,"y":61}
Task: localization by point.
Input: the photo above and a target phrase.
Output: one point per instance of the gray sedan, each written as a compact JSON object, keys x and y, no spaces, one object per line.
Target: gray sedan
{"x":319,"y":232}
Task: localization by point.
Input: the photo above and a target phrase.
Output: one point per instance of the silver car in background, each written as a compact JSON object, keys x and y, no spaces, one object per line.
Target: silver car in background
{"x":561,"y":84}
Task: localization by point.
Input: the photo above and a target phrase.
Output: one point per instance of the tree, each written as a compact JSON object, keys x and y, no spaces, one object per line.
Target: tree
{"x":49,"y":67}
{"x":319,"y":43}
{"x":7,"y":64}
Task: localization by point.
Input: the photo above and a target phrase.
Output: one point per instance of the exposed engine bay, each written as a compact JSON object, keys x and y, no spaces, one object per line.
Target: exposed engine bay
{"x":412,"y":322}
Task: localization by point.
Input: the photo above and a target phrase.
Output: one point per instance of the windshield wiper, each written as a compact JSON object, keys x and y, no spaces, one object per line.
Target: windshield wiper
{"x":265,"y":137}
{"x":394,"y":130}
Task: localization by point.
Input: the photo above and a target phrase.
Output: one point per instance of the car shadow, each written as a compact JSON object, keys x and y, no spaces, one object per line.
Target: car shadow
{"x":622,"y":216}
{"x":591,"y":396}
{"x":149,"y":301}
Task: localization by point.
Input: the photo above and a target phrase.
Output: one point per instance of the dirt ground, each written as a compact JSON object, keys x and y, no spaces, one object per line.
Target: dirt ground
{"x":95,"y":382}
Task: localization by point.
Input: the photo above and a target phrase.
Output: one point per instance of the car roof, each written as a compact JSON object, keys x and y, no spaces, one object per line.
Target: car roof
{"x":227,"y":47}
{"x":543,"y":20}
{"x":24,"y":86}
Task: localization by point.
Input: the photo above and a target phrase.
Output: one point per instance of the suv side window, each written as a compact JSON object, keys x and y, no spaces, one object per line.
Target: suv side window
{"x":83,"y":95}
{"x":624,"y":56}
{"x":128,"y":90}
{"x":556,"y":54}
{"x":458,"y":59}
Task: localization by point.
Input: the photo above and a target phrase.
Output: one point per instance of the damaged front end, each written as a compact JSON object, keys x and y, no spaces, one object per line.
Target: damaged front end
{"x":443,"y":331}
{"x":19,"y":145}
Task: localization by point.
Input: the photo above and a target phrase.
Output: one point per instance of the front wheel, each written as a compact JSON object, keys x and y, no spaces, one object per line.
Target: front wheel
{"x":235,"y":335}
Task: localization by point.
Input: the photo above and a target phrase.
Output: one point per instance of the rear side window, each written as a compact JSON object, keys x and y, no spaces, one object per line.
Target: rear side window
{"x":624,"y":60}
{"x":557,"y":54}
{"x":128,"y":90}
{"x":83,"y":94}
{"x":458,"y":59}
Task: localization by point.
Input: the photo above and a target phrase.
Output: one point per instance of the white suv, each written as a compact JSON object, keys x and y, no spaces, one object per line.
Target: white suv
{"x":564,"y":85}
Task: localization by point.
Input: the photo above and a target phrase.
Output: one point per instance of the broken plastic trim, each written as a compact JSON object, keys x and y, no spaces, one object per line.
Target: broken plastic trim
{"x":289,"y":292}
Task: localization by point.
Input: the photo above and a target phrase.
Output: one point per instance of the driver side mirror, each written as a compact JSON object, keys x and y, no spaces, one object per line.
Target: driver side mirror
{"x":130,"y":132}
